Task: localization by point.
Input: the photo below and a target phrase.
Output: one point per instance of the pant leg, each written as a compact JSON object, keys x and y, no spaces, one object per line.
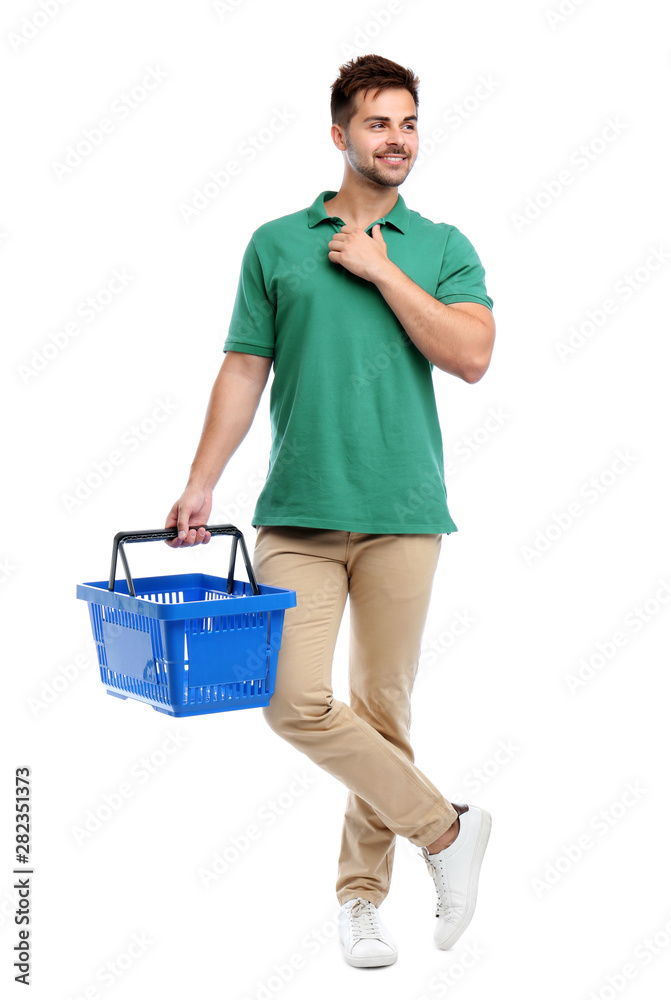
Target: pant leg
{"x":311,"y":562}
{"x":391,"y":577}
{"x":303,"y":710}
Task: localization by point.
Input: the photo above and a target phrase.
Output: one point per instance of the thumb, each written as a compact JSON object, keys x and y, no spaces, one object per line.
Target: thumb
{"x":377,"y":233}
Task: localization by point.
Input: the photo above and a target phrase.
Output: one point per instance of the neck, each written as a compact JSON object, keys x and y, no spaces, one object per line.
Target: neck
{"x":360,"y":201}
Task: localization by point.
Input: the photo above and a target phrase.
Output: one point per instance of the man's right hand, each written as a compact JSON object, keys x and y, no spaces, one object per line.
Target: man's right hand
{"x":189,"y":512}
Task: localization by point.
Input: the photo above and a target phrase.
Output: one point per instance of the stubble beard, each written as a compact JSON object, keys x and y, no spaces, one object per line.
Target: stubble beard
{"x":374,"y":173}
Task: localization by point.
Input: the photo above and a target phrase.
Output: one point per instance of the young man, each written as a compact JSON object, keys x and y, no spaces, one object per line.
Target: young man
{"x":354,"y":301}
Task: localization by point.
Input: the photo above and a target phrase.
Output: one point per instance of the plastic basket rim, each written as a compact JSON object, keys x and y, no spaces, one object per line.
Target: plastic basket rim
{"x":270,"y":598}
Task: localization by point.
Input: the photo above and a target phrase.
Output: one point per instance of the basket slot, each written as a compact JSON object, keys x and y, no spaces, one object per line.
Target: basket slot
{"x":182,"y":596}
{"x":159,"y":657}
{"x":126,"y":619}
{"x":142,"y":690}
{"x":95,"y":612}
{"x":222,"y":693}
{"x":164,"y":597}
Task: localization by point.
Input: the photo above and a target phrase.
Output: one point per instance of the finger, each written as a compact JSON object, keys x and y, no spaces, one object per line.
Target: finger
{"x":183,"y":517}
{"x":189,"y":537}
{"x":171,"y":522}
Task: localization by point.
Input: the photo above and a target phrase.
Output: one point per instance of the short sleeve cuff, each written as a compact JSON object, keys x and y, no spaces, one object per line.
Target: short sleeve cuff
{"x":244,"y":348}
{"x":457,"y":297}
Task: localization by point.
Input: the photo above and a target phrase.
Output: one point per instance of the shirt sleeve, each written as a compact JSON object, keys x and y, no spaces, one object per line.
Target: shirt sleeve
{"x":252,"y":326}
{"x":462,"y":276}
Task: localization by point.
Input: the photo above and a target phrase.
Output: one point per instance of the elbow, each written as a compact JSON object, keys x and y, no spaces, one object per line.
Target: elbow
{"x":477,"y":363}
{"x":473,"y":371}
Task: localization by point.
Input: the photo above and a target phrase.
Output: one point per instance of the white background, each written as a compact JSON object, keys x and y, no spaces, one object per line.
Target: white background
{"x":544,"y":567}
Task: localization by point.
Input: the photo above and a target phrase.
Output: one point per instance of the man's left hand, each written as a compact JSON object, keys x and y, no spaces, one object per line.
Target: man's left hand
{"x":356,"y":251}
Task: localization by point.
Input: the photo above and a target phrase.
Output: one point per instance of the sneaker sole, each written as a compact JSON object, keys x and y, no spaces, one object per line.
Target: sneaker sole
{"x":371,"y":961}
{"x":473,"y":876}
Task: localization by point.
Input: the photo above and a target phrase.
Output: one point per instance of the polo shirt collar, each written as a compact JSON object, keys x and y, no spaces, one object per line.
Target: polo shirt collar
{"x":398,"y":216}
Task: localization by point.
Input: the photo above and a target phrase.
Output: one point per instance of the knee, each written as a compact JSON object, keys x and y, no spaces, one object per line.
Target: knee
{"x":275,"y":715}
{"x":288,"y":718}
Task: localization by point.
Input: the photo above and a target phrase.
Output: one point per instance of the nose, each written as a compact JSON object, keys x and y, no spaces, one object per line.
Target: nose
{"x":395,"y":138}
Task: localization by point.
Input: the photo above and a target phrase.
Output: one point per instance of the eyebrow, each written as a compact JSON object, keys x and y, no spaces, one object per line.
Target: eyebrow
{"x":385,"y":118}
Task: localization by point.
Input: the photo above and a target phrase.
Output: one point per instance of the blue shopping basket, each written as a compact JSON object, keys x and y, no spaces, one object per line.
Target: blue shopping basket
{"x":191,"y":644}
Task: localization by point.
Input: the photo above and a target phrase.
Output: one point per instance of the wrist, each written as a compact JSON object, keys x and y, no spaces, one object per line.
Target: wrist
{"x":387,"y":274}
{"x":200,"y":482}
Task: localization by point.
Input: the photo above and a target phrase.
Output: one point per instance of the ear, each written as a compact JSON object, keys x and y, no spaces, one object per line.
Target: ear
{"x":338,"y":137}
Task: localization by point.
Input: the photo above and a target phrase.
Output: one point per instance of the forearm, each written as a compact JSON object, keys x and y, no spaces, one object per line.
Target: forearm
{"x":233,"y":403}
{"x":452,"y":339}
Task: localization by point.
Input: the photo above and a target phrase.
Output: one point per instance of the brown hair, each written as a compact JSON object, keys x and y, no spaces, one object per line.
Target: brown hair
{"x":365,"y":73}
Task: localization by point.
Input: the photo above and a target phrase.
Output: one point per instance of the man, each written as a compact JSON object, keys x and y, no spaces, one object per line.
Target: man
{"x":354,"y":300}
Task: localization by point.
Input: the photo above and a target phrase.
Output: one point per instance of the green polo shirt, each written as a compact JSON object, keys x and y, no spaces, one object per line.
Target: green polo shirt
{"x":356,"y":441}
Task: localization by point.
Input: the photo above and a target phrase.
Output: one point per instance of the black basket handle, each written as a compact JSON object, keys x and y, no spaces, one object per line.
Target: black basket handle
{"x":167,"y":533}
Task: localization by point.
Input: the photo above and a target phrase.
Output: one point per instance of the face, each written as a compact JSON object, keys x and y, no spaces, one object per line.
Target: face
{"x":381,"y":140}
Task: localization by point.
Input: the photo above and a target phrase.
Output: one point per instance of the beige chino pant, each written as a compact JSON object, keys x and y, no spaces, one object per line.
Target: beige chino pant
{"x":364,"y":744}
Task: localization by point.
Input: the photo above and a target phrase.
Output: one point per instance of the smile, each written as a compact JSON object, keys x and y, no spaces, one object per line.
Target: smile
{"x":391,"y":158}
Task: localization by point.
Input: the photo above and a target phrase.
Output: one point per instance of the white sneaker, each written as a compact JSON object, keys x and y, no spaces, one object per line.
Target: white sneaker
{"x":364,"y":938}
{"x":455,"y":874}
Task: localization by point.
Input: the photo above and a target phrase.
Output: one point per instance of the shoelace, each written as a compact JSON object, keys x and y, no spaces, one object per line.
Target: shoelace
{"x":363,"y":916}
{"x":437,"y":873}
